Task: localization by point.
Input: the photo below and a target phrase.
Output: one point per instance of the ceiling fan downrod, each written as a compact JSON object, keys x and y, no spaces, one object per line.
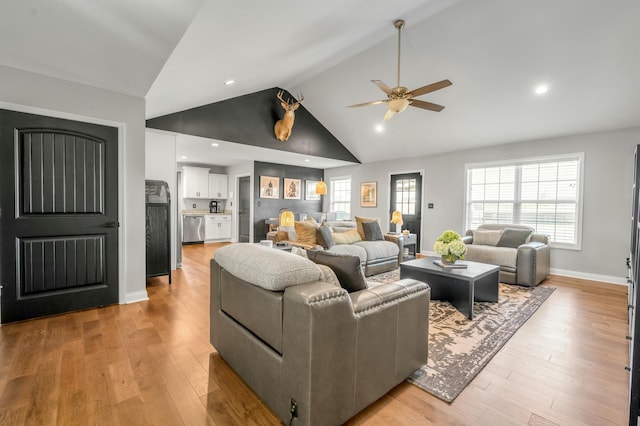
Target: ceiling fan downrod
{"x":399,"y":24}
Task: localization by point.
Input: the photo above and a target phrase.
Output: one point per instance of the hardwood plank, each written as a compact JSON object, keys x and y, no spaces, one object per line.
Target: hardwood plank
{"x":151,"y":363}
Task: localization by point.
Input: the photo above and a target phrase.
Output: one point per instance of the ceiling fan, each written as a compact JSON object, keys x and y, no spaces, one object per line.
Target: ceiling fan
{"x":399,"y":97}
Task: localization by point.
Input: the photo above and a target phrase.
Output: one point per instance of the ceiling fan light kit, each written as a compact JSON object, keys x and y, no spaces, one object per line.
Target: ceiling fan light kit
{"x":399,"y":97}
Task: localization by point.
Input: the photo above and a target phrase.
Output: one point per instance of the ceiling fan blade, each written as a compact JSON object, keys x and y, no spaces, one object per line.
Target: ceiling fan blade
{"x":430,"y":88}
{"x":426,"y":105}
{"x":366,"y":104}
{"x":390,"y":113}
{"x":383,"y":86}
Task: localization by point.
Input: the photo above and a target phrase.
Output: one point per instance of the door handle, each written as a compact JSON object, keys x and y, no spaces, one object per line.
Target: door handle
{"x":110,"y":225}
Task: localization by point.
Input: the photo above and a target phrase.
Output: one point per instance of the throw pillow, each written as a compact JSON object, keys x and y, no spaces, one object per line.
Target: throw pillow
{"x":325,"y":237}
{"x":372,"y":231}
{"x":360,"y":220}
{"x":348,"y":237}
{"x":328,"y":276}
{"x":306,"y":232}
{"x":282,"y":236}
{"x":299,"y":251}
{"x":486,"y":238}
{"x":513,"y":237}
{"x":346,"y":268}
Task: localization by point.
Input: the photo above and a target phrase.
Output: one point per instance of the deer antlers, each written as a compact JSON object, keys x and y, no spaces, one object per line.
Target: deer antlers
{"x":300,"y":99}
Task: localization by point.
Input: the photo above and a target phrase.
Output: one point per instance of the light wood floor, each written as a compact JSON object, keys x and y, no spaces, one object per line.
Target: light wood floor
{"x":151,"y":363}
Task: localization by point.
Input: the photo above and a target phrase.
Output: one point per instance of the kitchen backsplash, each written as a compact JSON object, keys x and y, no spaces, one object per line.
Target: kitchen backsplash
{"x":188,"y":203}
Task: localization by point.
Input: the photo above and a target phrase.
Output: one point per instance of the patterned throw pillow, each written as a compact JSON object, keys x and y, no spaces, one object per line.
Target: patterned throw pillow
{"x":372,"y":231}
{"x":348,"y":237}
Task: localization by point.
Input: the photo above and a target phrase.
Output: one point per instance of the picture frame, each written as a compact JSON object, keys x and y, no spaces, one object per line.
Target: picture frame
{"x":368,"y":194}
{"x":310,"y":191}
{"x":292,"y":188}
{"x":269,"y":187}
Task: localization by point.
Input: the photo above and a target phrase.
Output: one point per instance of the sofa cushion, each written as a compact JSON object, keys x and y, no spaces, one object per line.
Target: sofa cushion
{"x":348,"y":237}
{"x":347,"y":268}
{"x":502,"y":256}
{"x":372,"y":231}
{"x":513,"y":237}
{"x":328,"y":276}
{"x":350,"y":249}
{"x":325,"y":237}
{"x":266,"y":267}
{"x":378,"y":249}
{"x":360,"y":220}
{"x":486,"y":238}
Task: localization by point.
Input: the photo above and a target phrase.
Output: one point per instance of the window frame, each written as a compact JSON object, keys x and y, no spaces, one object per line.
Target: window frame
{"x":332,"y":193}
{"x":579,"y":156}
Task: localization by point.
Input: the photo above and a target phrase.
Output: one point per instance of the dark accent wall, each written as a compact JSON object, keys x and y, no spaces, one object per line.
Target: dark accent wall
{"x":265,"y":208}
{"x":249,"y":120}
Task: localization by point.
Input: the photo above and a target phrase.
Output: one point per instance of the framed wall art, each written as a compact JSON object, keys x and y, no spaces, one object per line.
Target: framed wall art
{"x":310,"y":190}
{"x":292,"y":188}
{"x":269,"y":187}
{"x":368,"y":194}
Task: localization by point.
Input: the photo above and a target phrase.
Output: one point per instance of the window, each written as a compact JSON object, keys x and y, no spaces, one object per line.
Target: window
{"x":406,"y":196}
{"x":341,"y":195}
{"x":542,"y":193}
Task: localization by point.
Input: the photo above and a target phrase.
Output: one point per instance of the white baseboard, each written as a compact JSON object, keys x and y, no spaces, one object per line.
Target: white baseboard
{"x":575,"y":274}
{"x":136,"y":296}
{"x":591,"y":277}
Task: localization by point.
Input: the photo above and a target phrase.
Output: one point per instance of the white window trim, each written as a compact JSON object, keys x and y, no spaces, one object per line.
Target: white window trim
{"x":350,"y":192}
{"x":534,"y":160}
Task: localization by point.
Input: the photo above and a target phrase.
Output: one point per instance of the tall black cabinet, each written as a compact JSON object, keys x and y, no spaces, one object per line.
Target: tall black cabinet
{"x":633,"y":264}
{"x":158,"y":227}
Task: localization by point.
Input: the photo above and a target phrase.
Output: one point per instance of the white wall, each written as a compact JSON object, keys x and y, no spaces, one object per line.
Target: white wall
{"x":160,"y":164}
{"x":34,"y":93}
{"x":608,"y":174}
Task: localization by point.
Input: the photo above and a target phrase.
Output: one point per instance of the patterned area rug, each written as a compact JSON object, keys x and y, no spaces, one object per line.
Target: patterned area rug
{"x":460,"y":348}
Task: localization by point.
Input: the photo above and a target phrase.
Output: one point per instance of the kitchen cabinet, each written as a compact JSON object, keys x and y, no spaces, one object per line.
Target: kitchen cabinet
{"x":195,"y":182}
{"x":217,"y":227}
{"x":218,"y":186}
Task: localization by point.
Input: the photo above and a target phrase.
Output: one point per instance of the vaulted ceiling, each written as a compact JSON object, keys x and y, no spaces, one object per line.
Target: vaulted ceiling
{"x":179,"y":54}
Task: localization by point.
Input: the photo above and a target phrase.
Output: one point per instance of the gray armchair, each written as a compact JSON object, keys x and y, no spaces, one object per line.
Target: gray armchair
{"x":525,"y":264}
{"x":291,"y":335}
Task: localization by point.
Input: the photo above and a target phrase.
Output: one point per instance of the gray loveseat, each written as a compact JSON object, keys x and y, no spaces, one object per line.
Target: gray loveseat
{"x":526,"y":262}
{"x":290,"y":332}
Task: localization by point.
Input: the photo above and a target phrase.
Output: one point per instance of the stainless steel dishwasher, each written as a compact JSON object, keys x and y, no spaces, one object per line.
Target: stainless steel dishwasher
{"x":192,"y":229}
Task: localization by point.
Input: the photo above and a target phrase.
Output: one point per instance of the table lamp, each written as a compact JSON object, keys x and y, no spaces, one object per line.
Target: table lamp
{"x":286,"y":217}
{"x":396,"y":217}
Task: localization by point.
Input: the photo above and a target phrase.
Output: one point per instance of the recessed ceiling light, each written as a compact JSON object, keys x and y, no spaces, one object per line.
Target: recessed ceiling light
{"x":229,"y":82}
{"x":306,"y":160}
{"x":542,"y":88}
{"x":184,"y":157}
{"x":215,"y":144}
{"x":379,"y":127}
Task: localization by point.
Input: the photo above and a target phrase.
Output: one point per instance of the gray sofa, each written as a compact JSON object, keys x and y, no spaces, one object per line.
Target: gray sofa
{"x":525,"y":264}
{"x":376,"y":256}
{"x":290,"y":332}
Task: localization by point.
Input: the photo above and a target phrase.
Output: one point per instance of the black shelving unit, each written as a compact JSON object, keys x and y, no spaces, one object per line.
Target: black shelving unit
{"x":158,"y":227}
{"x":633,"y":263}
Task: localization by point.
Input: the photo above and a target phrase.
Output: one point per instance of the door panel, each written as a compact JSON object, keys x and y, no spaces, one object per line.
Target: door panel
{"x":406,"y":196}
{"x":244,"y":209}
{"x":58,"y":227}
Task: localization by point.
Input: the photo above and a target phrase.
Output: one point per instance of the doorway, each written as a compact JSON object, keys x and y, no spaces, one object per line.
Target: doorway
{"x":59,"y":233}
{"x":244,"y":209}
{"x":406,"y":196}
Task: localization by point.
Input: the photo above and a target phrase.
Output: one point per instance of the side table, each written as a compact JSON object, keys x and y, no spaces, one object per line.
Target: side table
{"x":409,"y":241}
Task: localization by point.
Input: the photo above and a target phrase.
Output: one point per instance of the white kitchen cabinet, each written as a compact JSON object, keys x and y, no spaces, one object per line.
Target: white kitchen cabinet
{"x":218,"y":186}
{"x":195,"y":182}
{"x":217,"y":227}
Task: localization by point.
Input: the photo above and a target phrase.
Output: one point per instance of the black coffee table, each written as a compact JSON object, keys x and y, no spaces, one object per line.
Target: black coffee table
{"x":460,"y":287}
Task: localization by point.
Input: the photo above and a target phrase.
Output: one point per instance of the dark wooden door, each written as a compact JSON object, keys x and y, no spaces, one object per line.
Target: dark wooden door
{"x":244,"y":209}
{"x":406,"y":196}
{"x":58,"y":215}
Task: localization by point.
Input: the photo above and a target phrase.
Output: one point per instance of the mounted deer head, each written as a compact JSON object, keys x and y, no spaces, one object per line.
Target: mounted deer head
{"x":282,"y":129}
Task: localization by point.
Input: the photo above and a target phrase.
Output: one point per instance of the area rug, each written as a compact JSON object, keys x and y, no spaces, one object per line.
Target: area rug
{"x":460,"y":348}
